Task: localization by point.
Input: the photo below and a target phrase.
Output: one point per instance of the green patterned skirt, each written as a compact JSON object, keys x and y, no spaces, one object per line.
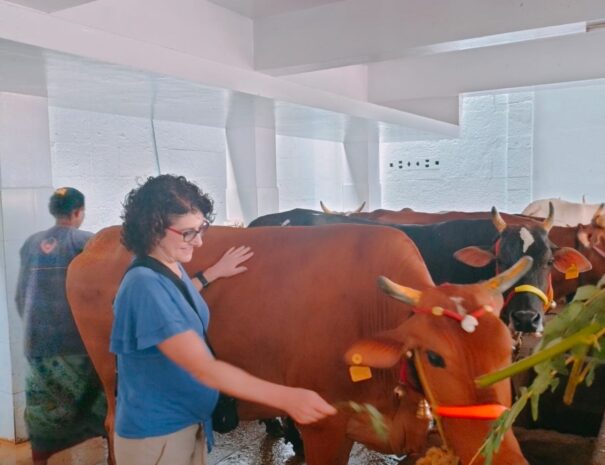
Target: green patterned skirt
{"x":65,"y":403}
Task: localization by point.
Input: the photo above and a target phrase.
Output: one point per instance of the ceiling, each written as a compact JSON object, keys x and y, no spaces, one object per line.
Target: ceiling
{"x":420,"y":55}
{"x":262,"y":8}
{"x":49,"y":6}
{"x":74,"y":82}
{"x":402,"y":62}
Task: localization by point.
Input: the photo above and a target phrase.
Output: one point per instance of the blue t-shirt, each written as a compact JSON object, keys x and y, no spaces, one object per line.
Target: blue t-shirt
{"x":156,"y":396}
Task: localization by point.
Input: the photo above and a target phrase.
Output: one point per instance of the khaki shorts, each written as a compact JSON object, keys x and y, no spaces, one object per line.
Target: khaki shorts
{"x":185,"y":447}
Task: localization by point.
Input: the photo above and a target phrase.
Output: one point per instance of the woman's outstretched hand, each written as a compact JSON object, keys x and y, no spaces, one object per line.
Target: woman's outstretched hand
{"x":306,"y":406}
{"x":230,"y":264}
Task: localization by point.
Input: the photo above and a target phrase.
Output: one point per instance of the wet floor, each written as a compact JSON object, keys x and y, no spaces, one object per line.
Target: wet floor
{"x":249,"y":445}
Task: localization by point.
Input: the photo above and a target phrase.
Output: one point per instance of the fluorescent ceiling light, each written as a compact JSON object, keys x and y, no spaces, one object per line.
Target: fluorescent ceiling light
{"x":506,"y":38}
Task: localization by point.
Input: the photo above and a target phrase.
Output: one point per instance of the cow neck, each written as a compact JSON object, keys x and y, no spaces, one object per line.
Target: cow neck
{"x":546,"y":298}
{"x":385,"y":316}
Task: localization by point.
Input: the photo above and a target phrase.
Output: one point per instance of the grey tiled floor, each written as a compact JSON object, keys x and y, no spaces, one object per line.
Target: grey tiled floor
{"x":248,"y":445}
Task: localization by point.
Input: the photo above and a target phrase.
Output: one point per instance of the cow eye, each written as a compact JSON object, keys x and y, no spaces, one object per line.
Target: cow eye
{"x":550,"y":262}
{"x":435,"y":359}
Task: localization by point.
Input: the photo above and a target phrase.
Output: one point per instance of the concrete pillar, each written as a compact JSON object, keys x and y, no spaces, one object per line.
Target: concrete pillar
{"x":25,"y":187}
{"x":520,"y":149}
{"x":251,"y":159}
{"x":361,"y":177}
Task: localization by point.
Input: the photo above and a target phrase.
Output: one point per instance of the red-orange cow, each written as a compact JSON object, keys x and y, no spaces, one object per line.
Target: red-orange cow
{"x":309,"y":296}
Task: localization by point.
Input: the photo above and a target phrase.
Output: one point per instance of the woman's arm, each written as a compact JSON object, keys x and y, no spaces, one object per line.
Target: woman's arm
{"x":189,"y":352}
{"x":228,"y":265}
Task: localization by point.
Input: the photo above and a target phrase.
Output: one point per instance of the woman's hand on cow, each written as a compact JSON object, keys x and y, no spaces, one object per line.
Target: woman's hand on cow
{"x":306,"y":406}
{"x":230,"y":264}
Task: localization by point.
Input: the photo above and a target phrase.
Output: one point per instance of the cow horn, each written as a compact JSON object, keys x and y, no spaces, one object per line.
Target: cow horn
{"x":507,"y":278}
{"x":549,"y":221}
{"x":405,"y":294}
{"x":360,"y":208}
{"x":598,"y":217}
{"x":499,"y":223}
{"x":325,"y":209}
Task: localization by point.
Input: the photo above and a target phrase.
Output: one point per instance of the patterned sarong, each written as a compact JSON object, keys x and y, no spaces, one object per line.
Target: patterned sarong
{"x":65,"y":403}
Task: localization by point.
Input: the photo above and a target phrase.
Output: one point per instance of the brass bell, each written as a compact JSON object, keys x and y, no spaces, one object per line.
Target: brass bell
{"x":423,"y":411}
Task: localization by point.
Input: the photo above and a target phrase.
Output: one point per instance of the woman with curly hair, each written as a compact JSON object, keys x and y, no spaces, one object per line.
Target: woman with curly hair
{"x":168,"y":379}
{"x":64,"y":400}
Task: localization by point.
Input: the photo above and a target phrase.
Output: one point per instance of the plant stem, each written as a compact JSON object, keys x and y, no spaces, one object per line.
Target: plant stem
{"x":581,"y":337}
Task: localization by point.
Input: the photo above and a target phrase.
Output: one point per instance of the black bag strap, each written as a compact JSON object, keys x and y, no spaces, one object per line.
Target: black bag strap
{"x":157,"y":266}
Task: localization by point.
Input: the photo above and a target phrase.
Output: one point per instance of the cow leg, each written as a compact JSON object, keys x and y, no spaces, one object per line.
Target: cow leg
{"x":273,"y":427}
{"x":292,"y":436}
{"x":326,"y":444}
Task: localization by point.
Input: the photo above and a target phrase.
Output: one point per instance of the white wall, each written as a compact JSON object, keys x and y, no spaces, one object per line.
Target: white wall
{"x":309,"y":171}
{"x":500,"y":157}
{"x":25,"y":187}
{"x":569,"y":135}
{"x":490,"y":164}
{"x":106,"y":155}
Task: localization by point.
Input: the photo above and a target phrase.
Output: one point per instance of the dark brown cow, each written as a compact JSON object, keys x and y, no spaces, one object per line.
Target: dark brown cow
{"x":308,"y":297}
{"x":347,"y":213}
{"x":588,"y":239}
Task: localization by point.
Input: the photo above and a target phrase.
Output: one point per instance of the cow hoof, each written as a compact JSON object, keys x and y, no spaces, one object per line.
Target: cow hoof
{"x":273,"y":427}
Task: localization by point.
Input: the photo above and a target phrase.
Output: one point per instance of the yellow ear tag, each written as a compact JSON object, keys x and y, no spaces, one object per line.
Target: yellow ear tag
{"x":572,"y":272}
{"x":360,"y":373}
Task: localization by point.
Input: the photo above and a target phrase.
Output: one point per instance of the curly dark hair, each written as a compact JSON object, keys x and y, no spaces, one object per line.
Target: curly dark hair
{"x":64,"y":201}
{"x":148,"y":210}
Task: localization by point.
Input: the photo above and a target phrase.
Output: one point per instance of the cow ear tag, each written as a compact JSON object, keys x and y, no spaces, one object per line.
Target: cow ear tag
{"x":359,"y":372}
{"x":572,"y":272}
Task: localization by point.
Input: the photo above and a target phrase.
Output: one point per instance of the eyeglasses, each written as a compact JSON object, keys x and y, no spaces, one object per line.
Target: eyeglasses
{"x":190,"y":234}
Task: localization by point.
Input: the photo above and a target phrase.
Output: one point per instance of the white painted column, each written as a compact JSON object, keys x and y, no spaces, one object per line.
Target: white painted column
{"x":25,"y":187}
{"x":361,"y":179}
{"x":520,"y":149}
{"x":251,"y":159}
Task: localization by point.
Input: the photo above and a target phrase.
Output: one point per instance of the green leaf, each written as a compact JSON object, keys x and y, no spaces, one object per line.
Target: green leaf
{"x":571,"y":333}
{"x":585,"y":293}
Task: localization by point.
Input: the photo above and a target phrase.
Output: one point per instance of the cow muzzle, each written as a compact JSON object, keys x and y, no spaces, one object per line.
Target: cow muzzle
{"x":527,"y":321}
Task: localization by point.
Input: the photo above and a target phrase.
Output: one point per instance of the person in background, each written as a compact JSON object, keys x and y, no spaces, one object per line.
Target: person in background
{"x":64,"y":399}
{"x":168,"y":380}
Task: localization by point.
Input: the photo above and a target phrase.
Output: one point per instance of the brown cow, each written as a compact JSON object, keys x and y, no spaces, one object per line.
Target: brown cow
{"x":308,"y":296}
{"x":409,"y":216}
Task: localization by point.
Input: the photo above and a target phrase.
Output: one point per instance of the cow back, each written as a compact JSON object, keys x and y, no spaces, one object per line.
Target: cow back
{"x":306,"y":297}
{"x":408,"y":216}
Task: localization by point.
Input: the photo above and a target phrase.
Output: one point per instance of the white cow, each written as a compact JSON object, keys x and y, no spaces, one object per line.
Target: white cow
{"x":566,"y":213}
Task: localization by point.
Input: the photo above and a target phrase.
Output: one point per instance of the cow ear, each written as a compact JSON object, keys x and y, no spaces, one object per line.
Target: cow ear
{"x":566,"y":258}
{"x":474,"y":256}
{"x":377,"y":352}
